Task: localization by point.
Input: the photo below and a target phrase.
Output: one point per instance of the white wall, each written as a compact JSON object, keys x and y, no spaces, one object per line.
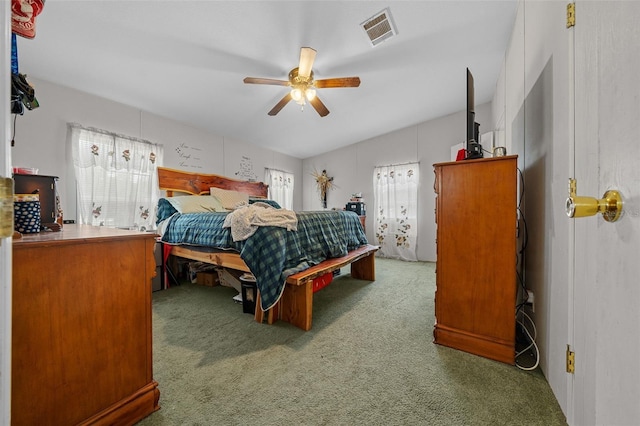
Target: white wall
{"x":41,"y":135}
{"x":41,"y":142}
{"x":352,"y":168}
{"x":531,"y":107}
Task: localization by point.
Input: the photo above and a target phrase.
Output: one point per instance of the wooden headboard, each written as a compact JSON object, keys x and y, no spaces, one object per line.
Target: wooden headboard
{"x":171,"y":180}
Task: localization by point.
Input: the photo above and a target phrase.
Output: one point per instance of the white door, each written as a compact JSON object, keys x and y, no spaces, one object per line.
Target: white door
{"x":605,"y":388}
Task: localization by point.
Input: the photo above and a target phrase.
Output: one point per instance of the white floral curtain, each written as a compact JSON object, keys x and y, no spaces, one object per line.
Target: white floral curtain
{"x":116,"y":177}
{"x":280,"y":187}
{"x":396,"y":209}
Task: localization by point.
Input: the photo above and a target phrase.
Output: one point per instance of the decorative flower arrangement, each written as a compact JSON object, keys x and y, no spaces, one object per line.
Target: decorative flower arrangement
{"x":382,"y":226}
{"x":144,"y":213}
{"x":97,"y":211}
{"x":402,"y":239}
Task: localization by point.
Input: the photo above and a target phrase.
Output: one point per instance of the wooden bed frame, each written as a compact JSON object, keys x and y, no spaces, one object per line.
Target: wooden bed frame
{"x":296,"y":304}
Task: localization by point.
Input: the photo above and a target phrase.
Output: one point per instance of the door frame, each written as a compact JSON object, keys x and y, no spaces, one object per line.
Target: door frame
{"x":5,"y":243}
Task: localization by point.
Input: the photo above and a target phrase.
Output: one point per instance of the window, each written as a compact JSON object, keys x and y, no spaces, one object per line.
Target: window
{"x":280,"y":187}
{"x":116,"y":178}
{"x":395,"y":190}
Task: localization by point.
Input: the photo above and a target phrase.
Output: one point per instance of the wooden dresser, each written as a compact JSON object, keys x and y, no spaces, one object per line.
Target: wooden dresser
{"x":82,"y":337}
{"x":476,"y":256}
{"x":363,"y":221}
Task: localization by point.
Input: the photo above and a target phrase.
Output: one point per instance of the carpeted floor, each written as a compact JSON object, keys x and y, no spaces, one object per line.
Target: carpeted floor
{"x":368,"y":360}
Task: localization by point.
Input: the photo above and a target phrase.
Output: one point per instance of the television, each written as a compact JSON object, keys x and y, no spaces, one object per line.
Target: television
{"x":472,"y":142}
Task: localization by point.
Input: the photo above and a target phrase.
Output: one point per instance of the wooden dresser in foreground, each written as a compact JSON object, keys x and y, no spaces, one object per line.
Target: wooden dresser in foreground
{"x":82,"y":337}
{"x":476,"y":256}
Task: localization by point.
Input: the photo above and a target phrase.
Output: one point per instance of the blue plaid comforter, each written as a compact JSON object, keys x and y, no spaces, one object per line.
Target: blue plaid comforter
{"x":272,"y":253}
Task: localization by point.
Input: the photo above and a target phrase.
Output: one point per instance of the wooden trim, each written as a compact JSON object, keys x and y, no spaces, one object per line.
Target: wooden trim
{"x":171,"y":180}
{"x":492,"y":348}
{"x":330,"y":265}
{"x":130,"y":410}
{"x":229,"y":260}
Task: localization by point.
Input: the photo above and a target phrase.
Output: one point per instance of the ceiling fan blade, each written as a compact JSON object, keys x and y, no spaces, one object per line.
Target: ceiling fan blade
{"x":257,"y":80}
{"x":338,"y":82}
{"x":307,"y":56}
{"x":276,"y":109}
{"x":319,"y":106}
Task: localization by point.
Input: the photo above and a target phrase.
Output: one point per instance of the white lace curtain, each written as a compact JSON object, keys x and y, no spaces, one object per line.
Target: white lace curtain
{"x":116,"y":177}
{"x":395,"y":191}
{"x":280,"y":187}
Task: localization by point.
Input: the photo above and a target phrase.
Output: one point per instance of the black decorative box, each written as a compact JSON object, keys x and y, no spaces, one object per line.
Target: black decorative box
{"x":359,"y":208}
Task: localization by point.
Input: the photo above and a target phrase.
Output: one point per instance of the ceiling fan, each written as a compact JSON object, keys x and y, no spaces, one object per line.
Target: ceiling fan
{"x":303,"y":86}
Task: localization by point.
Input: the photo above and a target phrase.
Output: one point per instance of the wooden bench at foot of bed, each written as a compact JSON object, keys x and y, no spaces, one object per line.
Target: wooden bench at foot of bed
{"x":296,"y":304}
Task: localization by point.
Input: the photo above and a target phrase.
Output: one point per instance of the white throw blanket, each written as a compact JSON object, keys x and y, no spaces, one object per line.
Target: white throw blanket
{"x":245,"y":220}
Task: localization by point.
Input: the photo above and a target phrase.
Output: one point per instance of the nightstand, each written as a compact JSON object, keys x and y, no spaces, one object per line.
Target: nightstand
{"x":45,"y":187}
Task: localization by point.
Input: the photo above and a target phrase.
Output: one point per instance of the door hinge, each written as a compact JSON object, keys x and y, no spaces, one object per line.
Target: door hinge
{"x":571,"y":15}
{"x":571,"y":360}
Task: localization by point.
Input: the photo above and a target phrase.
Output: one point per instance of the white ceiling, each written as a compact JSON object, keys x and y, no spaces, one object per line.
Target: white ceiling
{"x":186,"y":60}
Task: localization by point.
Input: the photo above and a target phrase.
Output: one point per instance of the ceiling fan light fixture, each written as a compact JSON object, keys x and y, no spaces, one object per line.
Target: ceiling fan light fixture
{"x":296,"y":94}
{"x":310,"y":93}
{"x":303,"y":93}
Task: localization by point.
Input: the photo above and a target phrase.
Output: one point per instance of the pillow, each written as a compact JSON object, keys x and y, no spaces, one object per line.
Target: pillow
{"x":272,"y":203}
{"x":165,"y":210}
{"x":196,"y":204}
{"x":229,"y":199}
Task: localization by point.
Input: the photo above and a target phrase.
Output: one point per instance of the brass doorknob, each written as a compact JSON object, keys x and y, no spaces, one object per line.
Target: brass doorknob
{"x":610,"y":205}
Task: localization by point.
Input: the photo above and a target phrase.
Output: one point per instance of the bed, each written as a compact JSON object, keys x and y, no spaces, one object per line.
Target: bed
{"x":289,"y":262}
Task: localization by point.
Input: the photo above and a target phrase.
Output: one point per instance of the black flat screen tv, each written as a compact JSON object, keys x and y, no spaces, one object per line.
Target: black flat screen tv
{"x":472,"y":143}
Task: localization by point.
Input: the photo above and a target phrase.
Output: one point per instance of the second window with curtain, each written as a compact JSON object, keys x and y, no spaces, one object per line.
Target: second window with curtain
{"x":280,"y":187}
{"x":395,"y":189}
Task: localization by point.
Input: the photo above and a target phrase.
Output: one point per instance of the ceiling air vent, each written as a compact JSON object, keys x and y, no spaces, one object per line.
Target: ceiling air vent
{"x":379,"y":27}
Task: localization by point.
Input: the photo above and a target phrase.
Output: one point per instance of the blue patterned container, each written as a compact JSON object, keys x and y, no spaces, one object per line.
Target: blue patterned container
{"x":26,"y":213}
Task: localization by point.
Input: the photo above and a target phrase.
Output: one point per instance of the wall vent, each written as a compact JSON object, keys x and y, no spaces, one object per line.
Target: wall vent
{"x":379,"y":27}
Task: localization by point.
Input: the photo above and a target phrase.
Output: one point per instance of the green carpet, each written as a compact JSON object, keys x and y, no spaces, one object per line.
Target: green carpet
{"x":369,"y":359}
